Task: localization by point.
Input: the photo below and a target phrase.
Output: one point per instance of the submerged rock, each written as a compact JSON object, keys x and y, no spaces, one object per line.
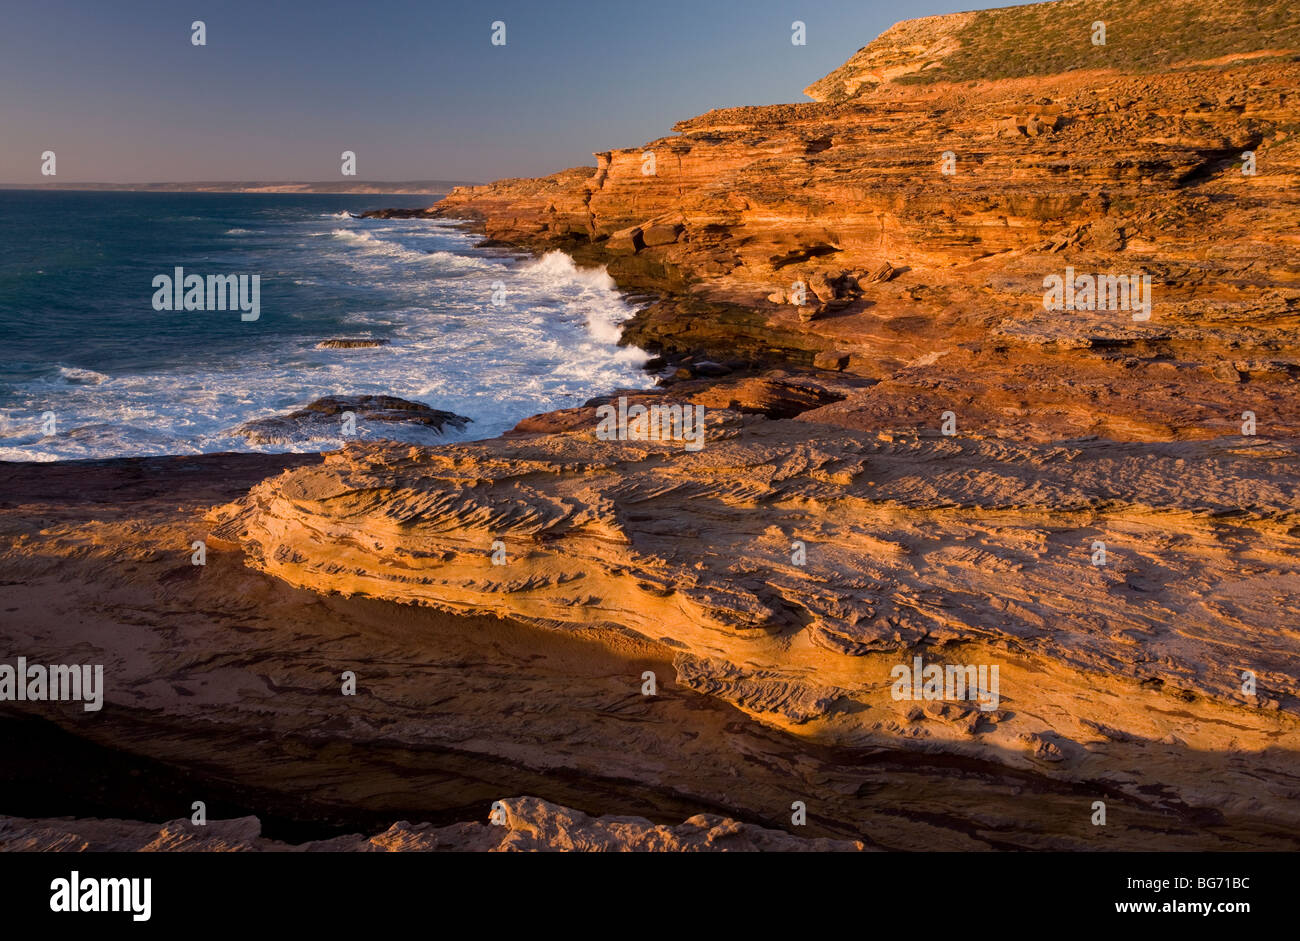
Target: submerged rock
{"x":346,"y":344}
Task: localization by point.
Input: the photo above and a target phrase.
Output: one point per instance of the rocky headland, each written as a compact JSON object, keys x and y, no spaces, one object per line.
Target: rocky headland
{"x":909,"y":459}
{"x":1122,"y":159}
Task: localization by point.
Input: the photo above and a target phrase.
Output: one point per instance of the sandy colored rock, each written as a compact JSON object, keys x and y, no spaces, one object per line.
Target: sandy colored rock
{"x":527,"y":825}
{"x":955,"y":550}
{"x":1123,"y":159}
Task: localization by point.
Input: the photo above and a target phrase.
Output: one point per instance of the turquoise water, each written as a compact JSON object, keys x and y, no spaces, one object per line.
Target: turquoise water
{"x":83,"y":342}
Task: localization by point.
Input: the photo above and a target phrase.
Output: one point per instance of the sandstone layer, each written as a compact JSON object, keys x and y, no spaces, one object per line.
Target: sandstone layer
{"x":958,"y":551}
{"x":526,"y":824}
{"x":223,"y":682}
{"x":1118,"y":159}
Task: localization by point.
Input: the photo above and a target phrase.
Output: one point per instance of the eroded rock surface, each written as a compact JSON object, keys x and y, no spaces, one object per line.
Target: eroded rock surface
{"x":222,"y":683}
{"x":940,"y":176}
{"x":959,"y":551}
{"x":1102,"y":526}
{"x":527,"y":824}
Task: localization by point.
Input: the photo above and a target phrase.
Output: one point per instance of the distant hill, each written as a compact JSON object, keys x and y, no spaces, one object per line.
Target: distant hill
{"x":1052,"y":38}
{"x":332,"y":186}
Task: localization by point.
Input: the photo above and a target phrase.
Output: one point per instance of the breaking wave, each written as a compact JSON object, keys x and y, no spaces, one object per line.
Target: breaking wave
{"x":455,"y":342}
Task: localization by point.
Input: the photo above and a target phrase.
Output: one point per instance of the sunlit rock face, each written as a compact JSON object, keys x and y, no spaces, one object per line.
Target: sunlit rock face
{"x":972,"y":542}
{"x":1120,"y":590}
{"x":1033,"y":295}
{"x":903,"y":225}
{"x":1053,"y":268}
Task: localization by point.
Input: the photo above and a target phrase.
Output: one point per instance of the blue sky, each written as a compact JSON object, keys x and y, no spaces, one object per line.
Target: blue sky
{"x":414,"y":87}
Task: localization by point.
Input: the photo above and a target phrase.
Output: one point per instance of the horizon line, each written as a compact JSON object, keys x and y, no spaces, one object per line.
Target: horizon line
{"x":162,"y":183}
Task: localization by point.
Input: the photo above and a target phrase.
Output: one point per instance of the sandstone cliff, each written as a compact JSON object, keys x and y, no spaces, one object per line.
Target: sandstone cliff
{"x":1124,"y":158}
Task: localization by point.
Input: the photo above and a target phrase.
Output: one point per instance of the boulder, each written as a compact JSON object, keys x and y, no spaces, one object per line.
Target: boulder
{"x":347,"y":344}
{"x":831,"y":359}
{"x":626,"y":241}
{"x":661,"y":233}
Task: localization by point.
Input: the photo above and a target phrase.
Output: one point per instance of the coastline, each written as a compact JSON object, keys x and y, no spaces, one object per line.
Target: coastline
{"x":910,"y":460}
{"x":121,"y":548}
{"x":332,"y":188}
{"x":359,"y":309}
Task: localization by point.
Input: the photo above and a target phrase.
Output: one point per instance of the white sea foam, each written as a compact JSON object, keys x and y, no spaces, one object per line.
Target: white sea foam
{"x":75,"y":376}
{"x":452,"y":260}
{"x":417,"y":283}
{"x":370,"y":241}
{"x":589,"y":292}
{"x":558,"y":268}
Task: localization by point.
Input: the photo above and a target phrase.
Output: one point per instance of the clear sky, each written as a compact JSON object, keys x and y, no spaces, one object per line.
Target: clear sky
{"x":414,"y":87}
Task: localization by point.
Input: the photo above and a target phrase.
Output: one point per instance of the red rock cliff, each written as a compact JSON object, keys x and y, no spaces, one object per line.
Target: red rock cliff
{"x":1121,"y":159}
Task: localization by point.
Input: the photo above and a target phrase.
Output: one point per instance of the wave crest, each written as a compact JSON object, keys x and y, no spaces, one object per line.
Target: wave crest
{"x":372,"y":243}
{"x":75,"y":376}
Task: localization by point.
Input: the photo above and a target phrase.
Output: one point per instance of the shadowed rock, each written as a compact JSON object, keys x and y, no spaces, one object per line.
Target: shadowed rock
{"x":357,"y":344}
{"x":527,"y":824}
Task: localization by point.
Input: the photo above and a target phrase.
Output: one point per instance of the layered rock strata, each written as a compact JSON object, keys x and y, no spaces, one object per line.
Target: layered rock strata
{"x":223,"y":683}
{"x":902,"y":224}
{"x":791,"y":567}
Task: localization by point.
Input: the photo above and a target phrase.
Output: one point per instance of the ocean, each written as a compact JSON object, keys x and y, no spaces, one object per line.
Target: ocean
{"x":484,"y":333}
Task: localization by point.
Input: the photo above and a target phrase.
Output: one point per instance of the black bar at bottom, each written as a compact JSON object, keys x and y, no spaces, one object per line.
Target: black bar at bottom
{"x":622,"y":891}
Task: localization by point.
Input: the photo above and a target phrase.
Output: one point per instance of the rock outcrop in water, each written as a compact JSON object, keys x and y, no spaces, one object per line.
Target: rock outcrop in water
{"x":325,"y":418}
{"x":362,"y":343}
